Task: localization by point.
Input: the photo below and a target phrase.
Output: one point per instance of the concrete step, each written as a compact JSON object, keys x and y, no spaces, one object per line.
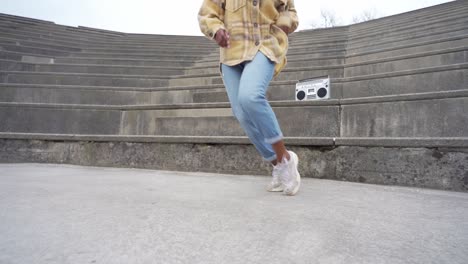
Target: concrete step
{"x":170,"y":41}
{"x":76,"y":36}
{"x":6,"y":65}
{"x":28,"y":43}
{"x":389,"y":23}
{"x":294,"y":40}
{"x":318,"y":44}
{"x":433,"y":79}
{"x":129,"y":140}
{"x":320,"y":33}
{"x":64,"y":30}
{"x":322,"y":121}
{"x":33,"y":50}
{"x":388,"y":36}
{"x":416,"y":40}
{"x":330,"y":49}
{"x":151,"y":49}
{"x":210,"y":96}
{"x":417,"y":47}
{"x":80,"y":44}
{"x":304,"y":62}
{"x":441,"y":78}
{"x":148,"y":56}
{"x":212,"y":120}
{"x":11,"y":45}
{"x":18,"y":56}
{"x":52,"y":33}
{"x":446,"y":78}
{"x":408,"y":22}
{"x":212,"y":67}
{"x":26,"y":37}
{"x":294,"y":74}
{"x":25,"y":19}
{"x":439,"y":23}
{"x":414,"y":15}
{"x":451,"y":30}
{"x":311,"y":49}
{"x":414,"y":115}
{"x":204,"y":45}
{"x":124,"y":62}
{"x":376,"y":207}
{"x":428,"y":118}
{"x":322,"y":54}
{"x":373,"y":53}
{"x":98,"y":95}
{"x":46,"y":25}
{"x":174,"y":52}
{"x":72,"y":121}
{"x":288,"y":74}
{"x":83,"y":31}
{"x":385,"y":22}
{"x":83,"y":79}
{"x":277,"y":91}
{"x":408,"y":62}
{"x":34,"y":34}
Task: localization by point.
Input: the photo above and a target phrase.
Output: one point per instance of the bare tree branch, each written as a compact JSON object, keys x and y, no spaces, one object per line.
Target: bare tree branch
{"x":366,"y":15}
{"x":328,"y":19}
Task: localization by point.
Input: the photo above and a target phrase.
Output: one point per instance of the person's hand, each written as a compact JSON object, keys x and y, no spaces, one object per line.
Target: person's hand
{"x":285,"y":29}
{"x":222,"y":38}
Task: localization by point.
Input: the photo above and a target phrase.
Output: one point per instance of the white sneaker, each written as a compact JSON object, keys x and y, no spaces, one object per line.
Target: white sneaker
{"x":275,"y":185}
{"x":290,"y":177}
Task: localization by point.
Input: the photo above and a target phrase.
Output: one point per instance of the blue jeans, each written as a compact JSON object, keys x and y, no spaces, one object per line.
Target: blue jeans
{"x":246,"y":86}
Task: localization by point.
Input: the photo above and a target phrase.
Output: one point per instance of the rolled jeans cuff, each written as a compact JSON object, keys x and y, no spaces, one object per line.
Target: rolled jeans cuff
{"x":270,"y":159}
{"x":273,"y":140}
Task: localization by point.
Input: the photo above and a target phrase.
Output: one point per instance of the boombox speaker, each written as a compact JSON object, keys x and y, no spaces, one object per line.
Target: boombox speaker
{"x":313,"y":89}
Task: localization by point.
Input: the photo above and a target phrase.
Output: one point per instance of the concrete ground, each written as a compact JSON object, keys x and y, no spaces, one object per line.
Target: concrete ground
{"x":72,"y":214}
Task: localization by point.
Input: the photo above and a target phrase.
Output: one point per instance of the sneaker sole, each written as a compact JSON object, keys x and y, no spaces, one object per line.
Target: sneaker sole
{"x":277,"y":189}
{"x":298,"y":178}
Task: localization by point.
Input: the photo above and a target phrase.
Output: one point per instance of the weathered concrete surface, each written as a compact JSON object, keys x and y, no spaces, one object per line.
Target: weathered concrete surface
{"x":71,"y":214}
{"x":71,"y":121}
{"x":322,"y":121}
{"x":422,"y":118}
{"x":439,"y":168}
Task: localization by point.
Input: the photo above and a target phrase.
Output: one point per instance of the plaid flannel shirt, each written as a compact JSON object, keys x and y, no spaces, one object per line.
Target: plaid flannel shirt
{"x":253,"y":25}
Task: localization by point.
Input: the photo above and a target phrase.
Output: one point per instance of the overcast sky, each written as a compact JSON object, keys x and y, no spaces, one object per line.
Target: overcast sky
{"x":180,"y":17}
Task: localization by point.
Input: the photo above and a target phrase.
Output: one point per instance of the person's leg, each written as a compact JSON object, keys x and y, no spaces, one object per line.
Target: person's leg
{"x":253,"y":86}
{"x":259,"y":121}
{"x":231,"y":77}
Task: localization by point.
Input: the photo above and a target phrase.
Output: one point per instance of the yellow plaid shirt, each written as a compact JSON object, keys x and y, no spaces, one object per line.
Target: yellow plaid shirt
{"x":252,"y":26}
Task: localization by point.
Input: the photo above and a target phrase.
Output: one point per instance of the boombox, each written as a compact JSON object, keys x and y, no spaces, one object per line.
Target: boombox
{"x":313,"y":89}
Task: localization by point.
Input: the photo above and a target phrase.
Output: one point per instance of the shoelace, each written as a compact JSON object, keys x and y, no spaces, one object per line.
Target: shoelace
{"x":276,"y":173}
{"x":284,"y":173}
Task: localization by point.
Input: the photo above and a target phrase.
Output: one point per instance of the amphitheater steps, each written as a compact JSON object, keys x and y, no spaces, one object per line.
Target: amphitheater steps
{"x":448,"y":56}
{"x":440,"y":77}
{"x":83,"y":79}
{"x":399,"y":85}
{"x":15,"y":42}
{"x":438,"y":114}
{"x":83,"y":68}
{"x":100,"y":95}
{"x":398,"y":142}
{"x":125,"y":62}
{"x":78,"y":44}
{"x":422,"y":21}
{"x":436,"y":57}
{"x":83,"y":39}
{"x":457,"y":28}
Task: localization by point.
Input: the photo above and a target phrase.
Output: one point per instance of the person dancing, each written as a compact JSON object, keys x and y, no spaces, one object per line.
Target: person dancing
{"x":253,"y":40}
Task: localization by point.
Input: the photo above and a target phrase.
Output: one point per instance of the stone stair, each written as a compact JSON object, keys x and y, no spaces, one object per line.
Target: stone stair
{"x":397,"y":113}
